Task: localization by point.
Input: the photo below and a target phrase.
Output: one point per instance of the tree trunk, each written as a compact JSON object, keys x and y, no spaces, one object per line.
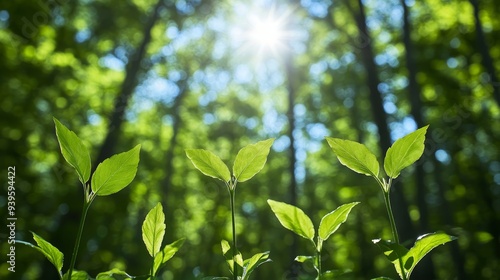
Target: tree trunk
{"x":447,"y":215}
{"x":426,"y":270}
{"x":485,"y":53}
{"x":400,"y":206}
{"x":127,"y":88}
{"x":177,"y":121}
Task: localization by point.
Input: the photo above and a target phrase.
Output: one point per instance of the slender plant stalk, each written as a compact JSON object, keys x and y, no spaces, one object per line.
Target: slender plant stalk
{"x":318,"y":258}
{"x":232,"y":190}
{"x":393,"y":225}
{"x":86,"y":206}
{"x":152,"y":268}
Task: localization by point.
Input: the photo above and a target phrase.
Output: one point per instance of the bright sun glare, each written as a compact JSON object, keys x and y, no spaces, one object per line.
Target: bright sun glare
{"x":267,"y":33}
{"x":264,"y":32}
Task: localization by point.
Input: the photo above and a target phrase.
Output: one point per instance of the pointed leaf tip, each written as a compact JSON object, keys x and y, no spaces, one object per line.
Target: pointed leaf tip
{"x":53,"y":254}
{"x":209,"y":164}
{"x":73,"y":151}
{"x":153,"y":229}
{"x":116,"y":172}
{"x":293,"y":218}
{"x":251,"y":159}
{"x":404,"y":152}
{"x":333,"y":220}
{"x":355,"y":156}
{"x":166,"y":254}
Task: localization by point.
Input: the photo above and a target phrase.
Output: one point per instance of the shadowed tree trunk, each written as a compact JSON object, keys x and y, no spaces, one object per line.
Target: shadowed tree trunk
{"x":426,"y":269}
{"x":485,"y":52}
{"x":129,"y":83}
{"x":400,"y":206}
{"x":447,"y":215}
{"x":177,"y":121}
{"x":292,"y":188}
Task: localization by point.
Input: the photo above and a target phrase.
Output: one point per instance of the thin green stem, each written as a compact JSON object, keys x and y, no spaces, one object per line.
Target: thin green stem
{"x":86,"y":205}
{"x":152,"y":269}
{"x":232,"y":190}
{"x":392,"y":221}
{"x":318,"y":258}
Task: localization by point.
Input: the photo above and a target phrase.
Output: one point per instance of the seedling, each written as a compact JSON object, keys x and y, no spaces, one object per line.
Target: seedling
{"x":248,"y":162}
{"x":294,"y":219}
{"x":403,"y":153}
{"x":110,"y":176}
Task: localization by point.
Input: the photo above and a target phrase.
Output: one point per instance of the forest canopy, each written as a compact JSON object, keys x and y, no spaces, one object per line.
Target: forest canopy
{"x":220,"y":75}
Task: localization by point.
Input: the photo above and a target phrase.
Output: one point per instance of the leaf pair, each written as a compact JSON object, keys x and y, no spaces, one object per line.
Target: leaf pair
{"x":410,"y":258}
{"x":153,"y":231}
{"x":294,"y":219}
{"x":404,"y":152}
{"x":110,"y":176}
{"x":248,"y":265}
{"x":249,"y":161}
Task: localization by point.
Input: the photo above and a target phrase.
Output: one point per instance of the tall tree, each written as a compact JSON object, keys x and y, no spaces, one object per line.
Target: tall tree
{"x":379,"y":115}
{"x":425,"y":271}
{"x":484,"y":50}
{"x":292,"y":160}
{"x":128,"y":86}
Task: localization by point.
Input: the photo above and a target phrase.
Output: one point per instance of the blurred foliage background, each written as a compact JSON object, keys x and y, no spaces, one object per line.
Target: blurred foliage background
{"x":172,"y":75}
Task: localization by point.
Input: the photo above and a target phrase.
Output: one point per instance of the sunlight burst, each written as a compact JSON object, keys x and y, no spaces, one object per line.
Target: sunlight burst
{"x":267,"y":34}
{"x":264,"y":33}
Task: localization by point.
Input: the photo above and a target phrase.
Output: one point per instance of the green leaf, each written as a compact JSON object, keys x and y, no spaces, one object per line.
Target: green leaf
{"x":114,"y":274}
{"x":410,"y":258}
{"x":392,"y":251}
{"x":51,"y":253}
{"x":214,"y":278}
{"x":153,"y":230}
{"x":73,"y":151}
{"x":404,"y":152}
{"x":209,"y":164}
{"x":80,"y":275}
{"x":424,"y":244}
{"x":227,"y":252}
{"x":382,"y":278}
{"x":293,"y":218}
{"x":251,"y":264}
{"x":332,"y":221}
{"x":305,"y":259}
{"x":116,"y":172}
{"x":251,"y":159}
{"x":166,"y":254}
{"x":355,"y":156}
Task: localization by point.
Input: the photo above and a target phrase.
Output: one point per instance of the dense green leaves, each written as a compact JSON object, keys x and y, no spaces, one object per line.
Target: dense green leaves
{"x":332,"y":221}
{"x":293,"y":218}
{"x":73,"y":151}
{"x":153,"y":230}
{"x":410,"y":258}
{"x":116,"y":172}
{"x":167,"y":253}
{"x":251,"y":159}
{"x":209,"y":164}
{"x":355,"y":156}
{"x":404,"y":152}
